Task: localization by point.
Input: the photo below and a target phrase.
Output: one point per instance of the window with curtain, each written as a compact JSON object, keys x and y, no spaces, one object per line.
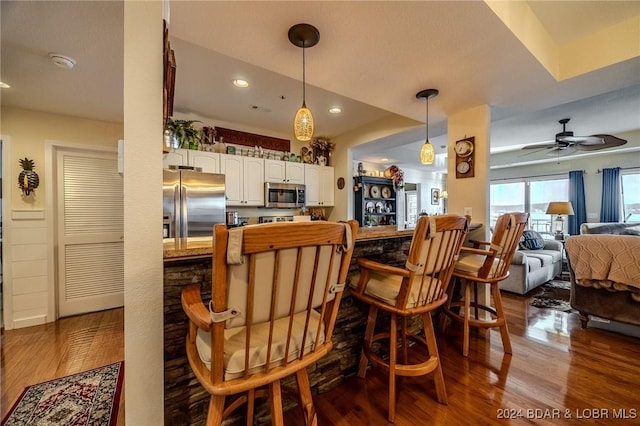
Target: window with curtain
{"x":529,"y":195}
{"x":631,"y":196}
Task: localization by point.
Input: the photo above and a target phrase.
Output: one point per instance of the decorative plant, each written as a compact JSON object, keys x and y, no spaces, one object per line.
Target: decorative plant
{"x":185,"y":135}
{"x":28,"y":179}
{"x":322,"y":147}
{"x":396,"y":175}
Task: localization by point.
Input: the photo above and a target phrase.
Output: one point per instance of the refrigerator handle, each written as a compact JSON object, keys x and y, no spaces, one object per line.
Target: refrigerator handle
{"x":182,"y":205}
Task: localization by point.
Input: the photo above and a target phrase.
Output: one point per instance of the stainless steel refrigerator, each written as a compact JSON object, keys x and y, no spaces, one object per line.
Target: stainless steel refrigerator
{"x":192,"y":203}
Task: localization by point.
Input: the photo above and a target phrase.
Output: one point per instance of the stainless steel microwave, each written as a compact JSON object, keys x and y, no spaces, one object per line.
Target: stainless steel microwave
{"x":284,"y":195}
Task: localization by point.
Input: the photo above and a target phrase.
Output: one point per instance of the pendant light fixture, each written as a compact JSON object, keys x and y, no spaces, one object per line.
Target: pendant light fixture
{"x":427,"y":153}
{"x":303,"y":35}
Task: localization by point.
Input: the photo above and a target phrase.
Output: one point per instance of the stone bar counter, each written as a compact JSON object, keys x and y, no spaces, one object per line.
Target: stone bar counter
{"x":188,"y":261}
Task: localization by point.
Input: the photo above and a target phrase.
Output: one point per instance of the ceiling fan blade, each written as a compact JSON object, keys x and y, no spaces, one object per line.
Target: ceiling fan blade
{"x":561,"y":152}
{"x":582,"y":140}
{"x":609,"y":142}
{"x":540,"y":146}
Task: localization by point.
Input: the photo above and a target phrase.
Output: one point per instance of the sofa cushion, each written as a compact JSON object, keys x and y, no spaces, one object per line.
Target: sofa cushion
{"x":531,"y":240}
{"x":547,"y":257}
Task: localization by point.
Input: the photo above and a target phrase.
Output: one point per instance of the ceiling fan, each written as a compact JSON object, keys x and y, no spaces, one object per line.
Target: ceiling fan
{"x":566,"y":143}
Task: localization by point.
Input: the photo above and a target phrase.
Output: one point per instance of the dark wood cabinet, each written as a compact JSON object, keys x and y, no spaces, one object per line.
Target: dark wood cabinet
{"x":375,"y":201}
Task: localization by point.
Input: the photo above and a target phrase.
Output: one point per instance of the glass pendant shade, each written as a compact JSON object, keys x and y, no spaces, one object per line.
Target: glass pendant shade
{"x":303,"y":124}
{"x":304,"y":36}
{"x":427,"y":153}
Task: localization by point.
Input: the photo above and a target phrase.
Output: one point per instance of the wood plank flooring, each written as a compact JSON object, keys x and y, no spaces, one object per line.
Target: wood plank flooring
{"x":557,"y":369}
{"x":36,"y":354}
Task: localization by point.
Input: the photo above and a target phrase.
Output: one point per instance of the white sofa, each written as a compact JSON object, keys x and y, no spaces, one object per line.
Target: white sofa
{"x":532,"y":268}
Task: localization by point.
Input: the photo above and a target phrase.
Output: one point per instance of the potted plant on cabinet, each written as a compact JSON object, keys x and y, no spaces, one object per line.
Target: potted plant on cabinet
{"x":182,"y":134}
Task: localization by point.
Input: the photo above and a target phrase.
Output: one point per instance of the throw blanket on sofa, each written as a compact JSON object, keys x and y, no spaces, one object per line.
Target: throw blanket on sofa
{"x":610,"y":261}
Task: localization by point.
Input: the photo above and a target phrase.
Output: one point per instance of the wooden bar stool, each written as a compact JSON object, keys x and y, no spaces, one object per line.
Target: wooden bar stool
{"x":417,"y":289}
{"x":276,"y":290}
{"x":489,"y":266}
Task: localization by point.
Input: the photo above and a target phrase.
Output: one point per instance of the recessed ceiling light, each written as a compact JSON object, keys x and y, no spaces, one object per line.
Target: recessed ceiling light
{"x":62,"y":61}
{"x":335,"y":110}
{"x":384,"y":159}
{"x":4,"y":85}
{"x":238,"y":82}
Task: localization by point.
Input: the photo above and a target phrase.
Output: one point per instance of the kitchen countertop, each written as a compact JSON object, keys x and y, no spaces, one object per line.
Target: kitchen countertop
{"x":198,"y":247}
{"x":186,"y":248}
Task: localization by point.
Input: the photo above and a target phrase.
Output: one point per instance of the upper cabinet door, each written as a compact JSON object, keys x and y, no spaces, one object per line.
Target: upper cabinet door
{"x":312,"y":185}
{"x":275,"y":171}
{"x":295,"y":172}
{"x":208,"y":161}
{"x":232,"y":167}
{"x":253,"y":177}
{"x":326,"y":186}
{"x":176,"y":157}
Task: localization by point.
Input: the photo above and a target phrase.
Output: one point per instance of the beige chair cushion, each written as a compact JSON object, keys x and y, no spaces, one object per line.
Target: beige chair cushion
{"x":386,"y":288}
{"x":470,"y":264}
{"x":238,"y":277}
{"x":234,"y":344}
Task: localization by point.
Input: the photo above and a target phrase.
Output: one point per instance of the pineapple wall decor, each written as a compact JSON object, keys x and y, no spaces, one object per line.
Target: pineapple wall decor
{"x":28,"y":179}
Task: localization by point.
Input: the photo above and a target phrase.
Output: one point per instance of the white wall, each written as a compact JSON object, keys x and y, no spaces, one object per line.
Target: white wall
{"x":28,"y":289}
{"x":143,"y":289}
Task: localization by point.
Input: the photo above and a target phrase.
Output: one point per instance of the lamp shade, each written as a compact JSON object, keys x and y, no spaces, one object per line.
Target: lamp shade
{"x":303,"y":124}
{"x":560,"y":208}
{"x":427,"y":153}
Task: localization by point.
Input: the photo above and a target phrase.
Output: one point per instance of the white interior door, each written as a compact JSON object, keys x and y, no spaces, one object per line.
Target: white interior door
{"x":90,"y":232}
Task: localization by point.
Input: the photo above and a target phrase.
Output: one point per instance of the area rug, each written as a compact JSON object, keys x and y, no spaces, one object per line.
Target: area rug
{"x":88,"y":398}
{"x":553,"y":294}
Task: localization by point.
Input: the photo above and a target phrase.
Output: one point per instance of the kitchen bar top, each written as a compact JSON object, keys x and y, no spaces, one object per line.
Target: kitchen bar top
{"x":196,"y":247}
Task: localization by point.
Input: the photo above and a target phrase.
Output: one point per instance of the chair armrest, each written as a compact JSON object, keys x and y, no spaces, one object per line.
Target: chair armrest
{"x":553,"y":245}
{"x":477,"y":243}
{"x":381,"y":267}
{"x":471,"y":250}
{"x":194,"y":308}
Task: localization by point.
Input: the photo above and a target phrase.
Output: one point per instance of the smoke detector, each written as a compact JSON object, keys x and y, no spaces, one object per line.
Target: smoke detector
{"x":62,"y":61}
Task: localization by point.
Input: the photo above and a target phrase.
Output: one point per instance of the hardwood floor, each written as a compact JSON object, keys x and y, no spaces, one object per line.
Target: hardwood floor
{"x":557,"y":369}
{"x":36,"y":354}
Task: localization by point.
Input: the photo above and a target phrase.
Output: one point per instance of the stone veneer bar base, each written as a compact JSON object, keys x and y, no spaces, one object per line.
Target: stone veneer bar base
{"x":186,"y":402}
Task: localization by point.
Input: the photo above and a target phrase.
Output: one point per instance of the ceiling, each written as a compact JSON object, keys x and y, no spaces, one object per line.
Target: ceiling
{"x":372,"y":58}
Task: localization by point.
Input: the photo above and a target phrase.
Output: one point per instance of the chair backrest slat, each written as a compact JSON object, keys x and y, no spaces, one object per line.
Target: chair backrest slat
{"x":436,"y":243}
{"x":283,"y":292}
{"x":506,"y":236}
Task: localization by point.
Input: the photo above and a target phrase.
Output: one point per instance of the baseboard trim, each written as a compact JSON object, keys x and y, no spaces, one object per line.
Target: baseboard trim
{"x":29,"y":322}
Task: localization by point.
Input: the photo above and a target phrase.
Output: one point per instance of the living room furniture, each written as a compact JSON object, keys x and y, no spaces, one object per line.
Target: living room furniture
{"x":375,"y":201}
{"x":531,"y":268}
{"x":417,"y":289}
{"x":486,"y":266}
{"x":604,"y":268}
{"x":276,"y":290}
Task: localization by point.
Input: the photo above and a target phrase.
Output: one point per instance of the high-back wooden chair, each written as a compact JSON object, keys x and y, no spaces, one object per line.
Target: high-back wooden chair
{"x":417,"y":289}
{"x":489,"y":266}
{"x":276,"y":289}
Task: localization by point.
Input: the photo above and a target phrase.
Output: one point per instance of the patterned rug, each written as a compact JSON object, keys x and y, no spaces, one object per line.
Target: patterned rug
{"x":553,"y":295}
{"x":88,"y":398}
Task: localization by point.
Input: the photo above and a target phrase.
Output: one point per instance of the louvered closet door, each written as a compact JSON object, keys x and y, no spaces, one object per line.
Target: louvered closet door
{"x":90,"y":232}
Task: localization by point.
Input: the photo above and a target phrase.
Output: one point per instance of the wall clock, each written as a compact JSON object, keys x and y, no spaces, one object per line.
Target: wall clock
{"x":465,"y":156}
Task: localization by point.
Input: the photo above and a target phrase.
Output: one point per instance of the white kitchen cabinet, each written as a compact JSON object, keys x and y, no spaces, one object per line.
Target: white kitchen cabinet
{"x":209,"y":162}
{"x":244,"y":180}
{"x":318,"y":181}
{"x":176,"y":157}
{"x":283,"y":171}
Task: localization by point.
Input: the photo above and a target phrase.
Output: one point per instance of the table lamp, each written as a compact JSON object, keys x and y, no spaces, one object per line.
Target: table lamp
{"x":559,"y":208}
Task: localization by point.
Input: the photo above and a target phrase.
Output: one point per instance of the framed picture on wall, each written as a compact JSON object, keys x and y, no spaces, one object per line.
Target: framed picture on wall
{"x":435,"y":196}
